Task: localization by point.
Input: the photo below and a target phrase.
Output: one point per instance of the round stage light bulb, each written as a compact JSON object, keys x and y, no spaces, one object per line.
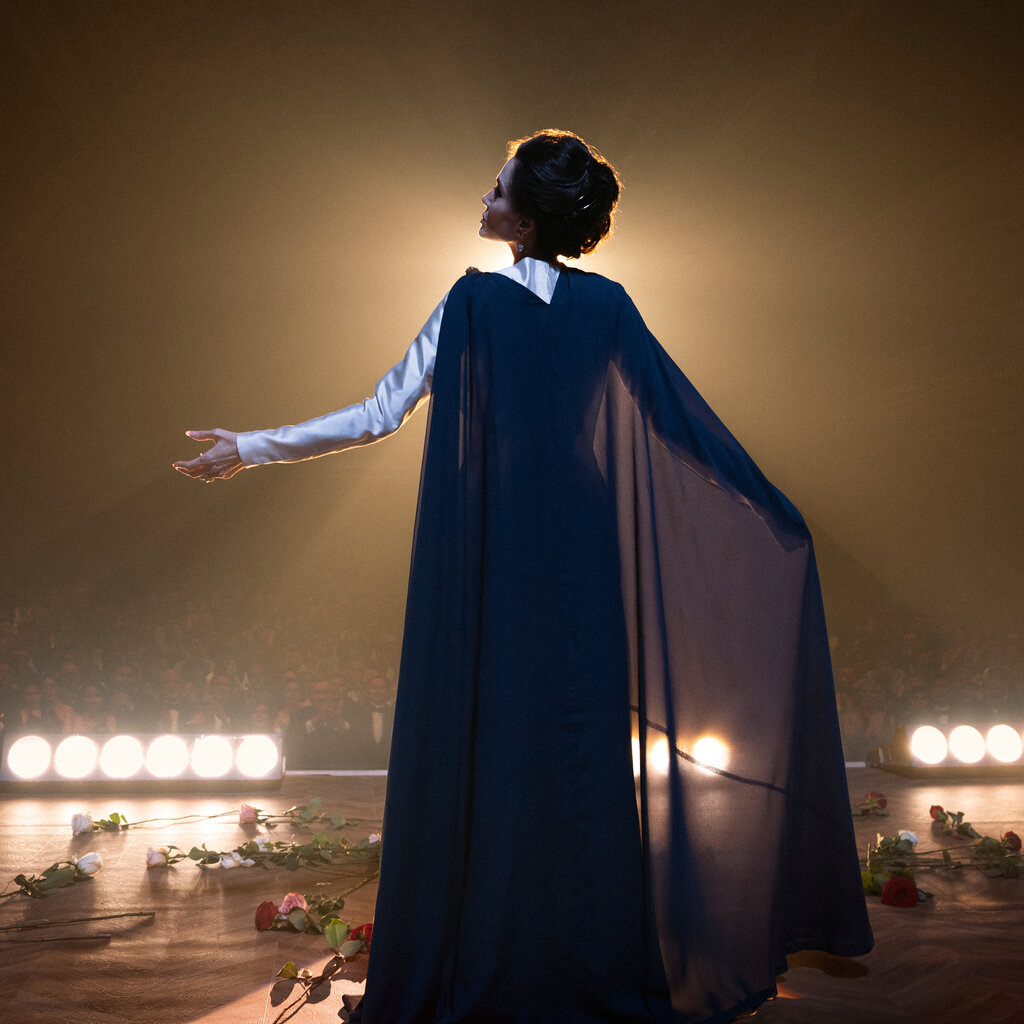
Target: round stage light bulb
{"x":29,"y":757}
{"x":928,"y":745}
{"x":1004,"y":743}
{"x":167,"y":757}
{"x":711,"y":751}
{"x":967,"y":744}
{"x":256,"y":756}
{"x":75,"y":757}
{"x":659,"y":756}
{"x":121,"y":757}
{"x":212,"y":757}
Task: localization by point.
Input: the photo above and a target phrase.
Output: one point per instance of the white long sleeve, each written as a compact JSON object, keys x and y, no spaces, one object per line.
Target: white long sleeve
{"x":395,"y":398}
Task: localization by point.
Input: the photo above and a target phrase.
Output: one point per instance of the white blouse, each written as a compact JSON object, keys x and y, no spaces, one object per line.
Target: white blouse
{"x":395,"y":398}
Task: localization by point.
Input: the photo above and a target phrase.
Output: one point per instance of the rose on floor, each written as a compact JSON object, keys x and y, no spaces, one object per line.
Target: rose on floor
{"x":900,"y":891}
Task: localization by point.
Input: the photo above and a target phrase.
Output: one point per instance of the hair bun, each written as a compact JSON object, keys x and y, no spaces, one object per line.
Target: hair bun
{"x":568,"y":189}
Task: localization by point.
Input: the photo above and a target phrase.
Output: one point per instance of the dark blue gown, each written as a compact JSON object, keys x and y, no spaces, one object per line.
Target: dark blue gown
{"x":595,"y":556}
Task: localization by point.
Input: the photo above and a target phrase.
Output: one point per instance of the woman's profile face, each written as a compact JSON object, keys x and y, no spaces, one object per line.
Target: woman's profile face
{"x":501,"y":220}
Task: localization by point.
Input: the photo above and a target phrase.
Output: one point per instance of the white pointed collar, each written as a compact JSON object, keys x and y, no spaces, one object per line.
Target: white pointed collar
{"x":538,"y":276}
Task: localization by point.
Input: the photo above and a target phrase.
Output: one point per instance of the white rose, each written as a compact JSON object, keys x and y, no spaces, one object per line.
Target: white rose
{"x":230,"y":860}
{"x":89,"y":863}
{"x":909,"y":836}
{"x":81,"y":823}
{"x":156,"y":858}
{"x":262,"y":842}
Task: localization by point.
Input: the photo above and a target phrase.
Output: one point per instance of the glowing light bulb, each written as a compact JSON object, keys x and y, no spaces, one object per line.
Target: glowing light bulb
{"x":659,"y":756}
{"x":75,"y":757}
{"x":121,"y":757}
{"x":29,"y":757}
{"x":256,"y":756}
{"x":1004,"y":743}
{"x":167,"y":757}
{"x":928,"y":745}
{"x":212,"y":757}
{"x":967,"y":744}
{"x":635,"y":743}
{"x":711,"y":751}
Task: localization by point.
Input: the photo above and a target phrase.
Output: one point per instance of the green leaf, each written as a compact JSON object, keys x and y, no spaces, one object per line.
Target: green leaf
{"x":289,"y":970}
{"x":351,"y":947}
{"x":57,"y":879}
{"x":298,"y":919}
{"x":336,"y":932}
{"x":337,"y":820}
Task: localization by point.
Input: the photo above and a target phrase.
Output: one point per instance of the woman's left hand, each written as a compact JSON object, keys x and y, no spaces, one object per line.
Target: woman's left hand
{"x":221,"y":462}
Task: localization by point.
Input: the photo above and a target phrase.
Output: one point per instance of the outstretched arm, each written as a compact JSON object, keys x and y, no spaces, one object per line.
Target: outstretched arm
{"x":397,"y":395}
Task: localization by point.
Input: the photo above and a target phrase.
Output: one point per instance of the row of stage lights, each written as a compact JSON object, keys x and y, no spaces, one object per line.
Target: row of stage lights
{"x":966,"y":745}
{"x":142,"y":757}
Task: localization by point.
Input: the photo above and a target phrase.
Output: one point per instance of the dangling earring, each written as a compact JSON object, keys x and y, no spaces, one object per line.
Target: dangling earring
{"x":520,"y":246}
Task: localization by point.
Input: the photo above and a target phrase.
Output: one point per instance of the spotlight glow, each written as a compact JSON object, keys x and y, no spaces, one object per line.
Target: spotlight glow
{"x":256,"y":756}
{"x":711,"y":751}
{"x":928,"y":745}
{"x":658,"y":758}
{"x":635,"y":743}
{"x":29,"y":757}
{"x":121,"y":757}
{"x":212,"y":757}
{"x":967,"y":744}
{"x":75,"y":757}
{"x":167,"y":757}
{"x":1004,"y":743}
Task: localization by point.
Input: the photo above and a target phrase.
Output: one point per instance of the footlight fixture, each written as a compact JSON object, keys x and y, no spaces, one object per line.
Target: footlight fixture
{"x":968,"y":749}
{"x":142,"y":760}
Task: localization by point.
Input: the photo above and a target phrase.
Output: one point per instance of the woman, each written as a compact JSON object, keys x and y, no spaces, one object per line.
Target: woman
{"x":589,"y":538}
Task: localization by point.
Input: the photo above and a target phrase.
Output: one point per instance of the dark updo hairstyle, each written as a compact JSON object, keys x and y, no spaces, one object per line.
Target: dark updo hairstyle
{"x":568,"y":189}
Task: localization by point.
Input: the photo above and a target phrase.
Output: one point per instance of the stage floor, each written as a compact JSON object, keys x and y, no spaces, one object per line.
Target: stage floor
{"x":956,"y":958}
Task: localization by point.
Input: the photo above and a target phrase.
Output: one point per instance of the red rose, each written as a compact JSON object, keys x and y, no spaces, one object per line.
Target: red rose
{"x":900,"y":891}
{"x":1012,"y":841}
{"x":265,"y":914}
{"x":875,"y":796}
{"x":936,"y":812}
{"x":880,"y":801}
{"x":363,"y":932}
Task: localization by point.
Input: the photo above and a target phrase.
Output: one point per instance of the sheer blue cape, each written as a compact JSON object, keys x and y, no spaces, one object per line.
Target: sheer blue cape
{"x":601,"y":577}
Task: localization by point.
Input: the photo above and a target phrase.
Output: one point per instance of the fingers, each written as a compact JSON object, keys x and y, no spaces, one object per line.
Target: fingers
{"x":202,"y":435}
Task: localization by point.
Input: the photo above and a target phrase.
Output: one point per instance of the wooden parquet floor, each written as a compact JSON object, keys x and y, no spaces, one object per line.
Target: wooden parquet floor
{"x":958,"y":958}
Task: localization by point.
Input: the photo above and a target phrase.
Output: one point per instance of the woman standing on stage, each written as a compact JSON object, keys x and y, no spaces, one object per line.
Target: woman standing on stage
{"x":596,"y":560}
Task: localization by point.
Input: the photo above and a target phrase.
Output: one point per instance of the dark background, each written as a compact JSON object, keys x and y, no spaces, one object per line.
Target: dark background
{"x":239,"y":214}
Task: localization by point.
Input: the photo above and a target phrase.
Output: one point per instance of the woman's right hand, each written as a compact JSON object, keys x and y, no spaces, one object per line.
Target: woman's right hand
{"x":221,"y":462}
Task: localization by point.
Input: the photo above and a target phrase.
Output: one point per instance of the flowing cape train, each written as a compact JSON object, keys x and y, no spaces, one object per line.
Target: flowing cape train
{"x":601,"y":577}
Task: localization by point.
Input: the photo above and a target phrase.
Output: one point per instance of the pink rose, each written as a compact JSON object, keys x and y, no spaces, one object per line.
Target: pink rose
{"x":246,"y":815}
{"x":1012,"y":841}
{"x":265,"y":914}
{"x":291,"y":901}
